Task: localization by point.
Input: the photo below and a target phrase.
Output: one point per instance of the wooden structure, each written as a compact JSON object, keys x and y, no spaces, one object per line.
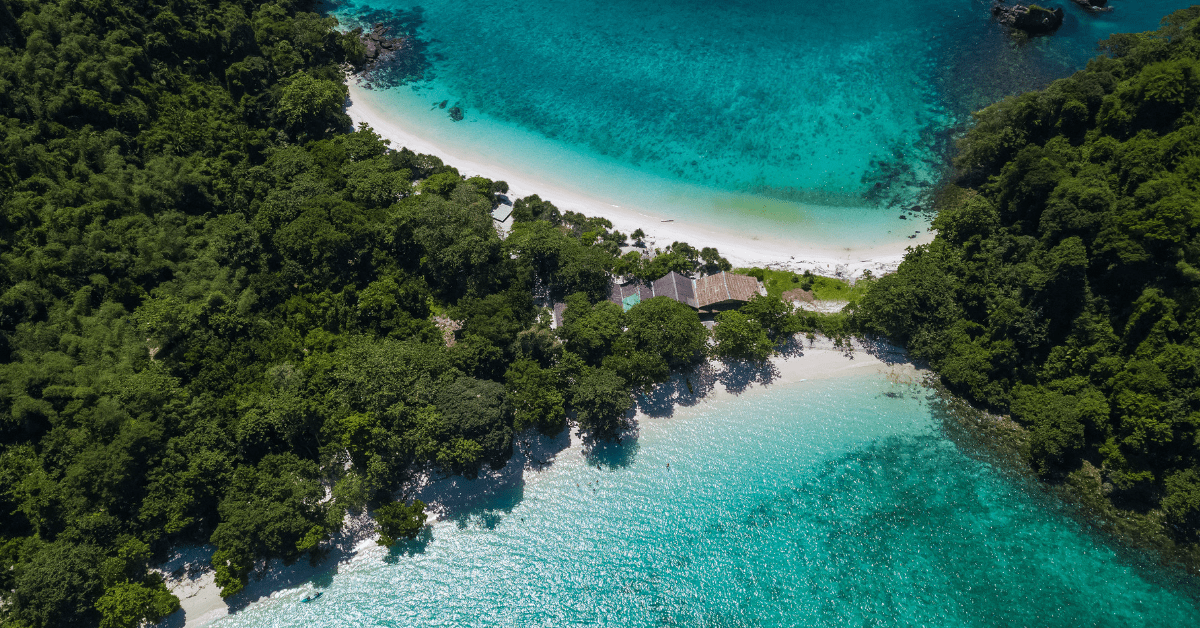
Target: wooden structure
{"x":712,"y":292}
{"x":630,"y":294}
{"x":676,"y":286}
{"x":724,"y":290}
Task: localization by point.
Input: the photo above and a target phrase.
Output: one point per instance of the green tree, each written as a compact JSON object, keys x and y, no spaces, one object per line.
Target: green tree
{"x":130,"y":604}
{"x":309,"y":102}
{"x":1061,"y":285}
{"x":398,"y":521}
{"x":601,"y":401}
{"x":533,"y":208}
{"x":590,"y":330}
{"x":57,"y":586}
{"x":534,"y":395}
{"x":477,"y":411}
{"x":441,"y":184}
{"x":661,"y":334}
{"x":1181,"y":504}
{"x":273,"y":509}
{"x":741,"y":337}
{"x":772,"y":314}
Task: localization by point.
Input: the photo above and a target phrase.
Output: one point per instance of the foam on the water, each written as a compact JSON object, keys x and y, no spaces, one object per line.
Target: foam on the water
{"x":821,"y":503}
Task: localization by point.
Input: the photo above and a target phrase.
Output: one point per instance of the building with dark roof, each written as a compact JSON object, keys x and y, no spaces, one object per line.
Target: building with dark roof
{"x":630,"y":294}
{"x":675,"y":286}
{"x":715,"y":291}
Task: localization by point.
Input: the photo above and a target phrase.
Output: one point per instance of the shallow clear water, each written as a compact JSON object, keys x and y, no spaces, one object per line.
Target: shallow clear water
{"x":821,"y":503}
{"x":837,"y":108}
{"x":836,"y":502}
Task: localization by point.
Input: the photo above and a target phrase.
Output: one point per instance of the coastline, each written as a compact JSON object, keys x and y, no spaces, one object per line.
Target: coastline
{"x":190,"y":578}
{"x":768,"y":244}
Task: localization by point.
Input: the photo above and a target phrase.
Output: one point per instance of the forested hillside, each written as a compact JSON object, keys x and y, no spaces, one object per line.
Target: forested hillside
{"x":220,"y":307}
{"x":1064,"y":283}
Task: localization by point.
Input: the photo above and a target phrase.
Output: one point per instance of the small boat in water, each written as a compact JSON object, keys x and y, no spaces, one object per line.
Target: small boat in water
{"x":313,"y":596}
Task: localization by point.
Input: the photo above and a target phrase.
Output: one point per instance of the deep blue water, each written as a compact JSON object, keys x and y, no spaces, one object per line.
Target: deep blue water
{"x":820,"y":503}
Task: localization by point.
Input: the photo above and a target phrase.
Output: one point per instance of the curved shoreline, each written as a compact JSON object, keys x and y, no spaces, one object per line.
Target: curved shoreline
{"x":764,"y":246}
{"x":190,"y":578}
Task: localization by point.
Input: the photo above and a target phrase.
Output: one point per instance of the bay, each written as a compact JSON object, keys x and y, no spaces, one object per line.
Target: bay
{"x":816,"y":503}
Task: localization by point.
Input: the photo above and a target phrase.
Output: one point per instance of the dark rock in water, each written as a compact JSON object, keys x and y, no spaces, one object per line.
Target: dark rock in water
{"x":383,"y":50}
{"x":1094,"y":6}
{"x":456,"y":113}
{"x":914,"y":209}
{"x":1032,"y":19}
{"x":903,"y":217}
{"x":391,"y":53}
{"x":443,"y":104}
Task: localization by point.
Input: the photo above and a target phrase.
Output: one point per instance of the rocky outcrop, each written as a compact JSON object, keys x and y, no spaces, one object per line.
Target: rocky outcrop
{"x":378,"y":43}
{"x":1094,"y":6}
{"x":389,"y":61}
{"x":1032,"y":19}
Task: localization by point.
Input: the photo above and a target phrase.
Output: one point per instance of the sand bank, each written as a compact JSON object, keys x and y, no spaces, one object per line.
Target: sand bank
{"x":742,"y":238}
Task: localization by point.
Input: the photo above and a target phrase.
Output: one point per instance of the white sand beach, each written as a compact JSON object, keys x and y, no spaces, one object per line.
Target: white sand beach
{"x":793,"y":249}
{"x":188,"y":573}
{"x":190,"y":578}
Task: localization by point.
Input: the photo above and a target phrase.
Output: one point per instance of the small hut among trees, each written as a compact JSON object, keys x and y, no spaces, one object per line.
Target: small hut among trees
{"x":724,"y":290}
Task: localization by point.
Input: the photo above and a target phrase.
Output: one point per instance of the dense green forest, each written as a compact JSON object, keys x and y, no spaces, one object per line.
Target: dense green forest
{"x":225,"y":317}
{"x":1063,"y":287}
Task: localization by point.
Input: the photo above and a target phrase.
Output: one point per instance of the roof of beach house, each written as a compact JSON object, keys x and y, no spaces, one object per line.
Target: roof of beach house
{"x":696,"y":293}
{"x":676,"y":286}
{"x":630,"y":294}
{"x":724,"y":287}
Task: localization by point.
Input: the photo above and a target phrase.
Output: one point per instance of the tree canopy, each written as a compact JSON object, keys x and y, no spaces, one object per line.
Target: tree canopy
{"x":227,"y":317}
{"x":1062,"y":287}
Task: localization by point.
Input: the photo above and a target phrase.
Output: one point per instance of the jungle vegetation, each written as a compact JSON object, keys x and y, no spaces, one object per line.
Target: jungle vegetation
{"x":1063,"y":287}
{"x":220,"y":305}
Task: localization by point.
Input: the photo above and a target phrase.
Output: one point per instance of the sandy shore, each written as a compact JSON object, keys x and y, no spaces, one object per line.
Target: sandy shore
{"x":795,"y":251}
{"x":190,"y":578}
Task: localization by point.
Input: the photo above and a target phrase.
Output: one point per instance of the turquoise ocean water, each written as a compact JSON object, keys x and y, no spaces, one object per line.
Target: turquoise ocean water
{"x":819,"y":503}
{"x":822,"y":503}
{"x":789,"y":115}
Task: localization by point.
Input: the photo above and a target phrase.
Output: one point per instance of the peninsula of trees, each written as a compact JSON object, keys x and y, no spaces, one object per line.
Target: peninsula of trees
{"x":1063,"y":287}
{"x":228,"y":318}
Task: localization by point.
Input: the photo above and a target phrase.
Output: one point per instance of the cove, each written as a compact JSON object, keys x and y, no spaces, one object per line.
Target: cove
{"x":806,"y":121}
{"x":815,"y":503}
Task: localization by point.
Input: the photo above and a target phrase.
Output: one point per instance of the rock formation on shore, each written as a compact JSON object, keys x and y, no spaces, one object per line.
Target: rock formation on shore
{"x":1032,"y":19}
{"x":378,"y":43}
{"x":389,"y":61}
